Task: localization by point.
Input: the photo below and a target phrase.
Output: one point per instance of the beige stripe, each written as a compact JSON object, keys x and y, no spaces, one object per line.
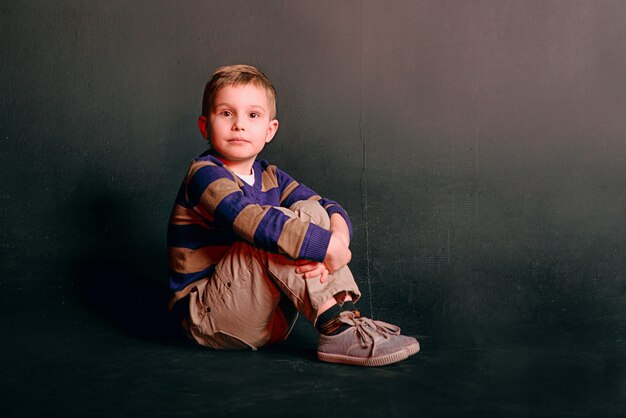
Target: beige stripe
{"x":197,"y":166}
{"x":193,"y":169}
{"x":288,"y":191}
{"x":216,"y":190}
{"x":290,"y":240}
{"x":268,"y":179}
{"x":183,"y":216}
{"x":185,"y":260}
{"x":247,"y":221}
{"x":213,"y":196}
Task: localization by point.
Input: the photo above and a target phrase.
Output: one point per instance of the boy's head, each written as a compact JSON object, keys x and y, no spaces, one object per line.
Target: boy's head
{"x":236,"y":75}
{"x":238,"y":115}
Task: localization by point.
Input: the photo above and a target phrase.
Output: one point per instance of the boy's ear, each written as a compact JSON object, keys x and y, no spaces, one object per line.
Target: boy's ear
{"x":271,"y":130}
{"x":203,"y":127}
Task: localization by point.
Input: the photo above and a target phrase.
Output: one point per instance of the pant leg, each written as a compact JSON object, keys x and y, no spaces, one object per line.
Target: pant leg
{"x":238,"y":306}
{"x":309,"y":294}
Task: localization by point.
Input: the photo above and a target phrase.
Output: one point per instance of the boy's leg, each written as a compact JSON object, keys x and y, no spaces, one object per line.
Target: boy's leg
{"x":239,"y":310}
{"x":238,"y":306}
{"x":345,"y":336}
{"x":308,"y":295}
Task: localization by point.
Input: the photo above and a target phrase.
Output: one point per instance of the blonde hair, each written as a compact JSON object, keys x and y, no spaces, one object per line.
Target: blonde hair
{"x":234,"y":75}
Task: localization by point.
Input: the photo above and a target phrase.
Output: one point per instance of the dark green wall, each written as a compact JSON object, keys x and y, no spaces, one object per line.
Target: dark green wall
{"x":479,"y":147}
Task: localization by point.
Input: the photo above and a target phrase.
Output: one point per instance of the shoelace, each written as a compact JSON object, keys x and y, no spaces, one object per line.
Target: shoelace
{"x":367,"y":329}
{"x":386,"y":328}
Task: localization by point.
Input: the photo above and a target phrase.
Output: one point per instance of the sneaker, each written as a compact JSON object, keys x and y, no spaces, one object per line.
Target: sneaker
{"x":411,"y":345}
{"x":365,"y":343}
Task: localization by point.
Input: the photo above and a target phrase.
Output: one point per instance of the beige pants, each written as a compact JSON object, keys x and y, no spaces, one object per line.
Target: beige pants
{"x":238,"y":306}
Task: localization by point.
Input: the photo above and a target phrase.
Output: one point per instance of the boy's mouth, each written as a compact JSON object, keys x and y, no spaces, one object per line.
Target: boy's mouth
{"x":238,"y":140}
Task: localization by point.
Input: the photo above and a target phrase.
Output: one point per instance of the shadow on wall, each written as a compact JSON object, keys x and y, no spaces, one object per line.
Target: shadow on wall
{"x":123,"y":278}
{"x":118,"y":276}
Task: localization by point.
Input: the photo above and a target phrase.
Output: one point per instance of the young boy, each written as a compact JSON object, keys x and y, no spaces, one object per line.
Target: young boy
{"x":250,"y":247}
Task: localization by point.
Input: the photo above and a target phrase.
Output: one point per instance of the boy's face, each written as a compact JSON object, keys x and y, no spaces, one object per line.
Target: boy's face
{"x":239,"y":125}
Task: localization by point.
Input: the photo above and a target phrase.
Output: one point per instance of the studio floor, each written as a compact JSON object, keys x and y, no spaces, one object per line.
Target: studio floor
{"x":63,"y":355}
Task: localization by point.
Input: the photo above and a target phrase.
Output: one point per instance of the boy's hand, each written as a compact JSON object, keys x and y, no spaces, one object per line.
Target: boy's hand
{"x":339,"y":227}
{"x":338,"y":254}
{"x":310,"y":269}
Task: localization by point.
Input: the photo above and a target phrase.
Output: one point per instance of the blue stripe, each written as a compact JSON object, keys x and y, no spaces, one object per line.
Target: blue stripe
{"x":301,"y":192}
{"x":269,"y":229}
{"x":230,"y":206}
{"x":202,"y":179}
{"x":258,"y":172}
{"x":315,"y":243}
{"x":263,"y":164}
{"x":207,"y":156}
{"x":195,"y":236}
{"x":338,"y":209}
{"x":179,"y":281}
{"x":180,"y":197}
{"x":283,"y":179}
{"x":269,"y":197}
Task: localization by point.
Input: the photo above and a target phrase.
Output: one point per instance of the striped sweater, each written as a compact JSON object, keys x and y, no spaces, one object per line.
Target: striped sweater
{"x":214,"y":208}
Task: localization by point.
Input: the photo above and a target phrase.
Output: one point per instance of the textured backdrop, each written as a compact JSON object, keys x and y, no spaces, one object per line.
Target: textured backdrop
{"x":479,"y":147}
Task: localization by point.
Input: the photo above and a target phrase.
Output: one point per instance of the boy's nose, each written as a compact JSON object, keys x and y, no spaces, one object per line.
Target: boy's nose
{"x":238,"y":125}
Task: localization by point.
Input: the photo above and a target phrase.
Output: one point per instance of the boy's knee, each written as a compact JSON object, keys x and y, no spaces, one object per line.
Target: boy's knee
{"x":312,"y":211}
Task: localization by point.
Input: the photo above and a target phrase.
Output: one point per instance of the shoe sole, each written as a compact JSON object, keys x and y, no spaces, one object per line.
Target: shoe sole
{"x":413,"y":349}
{"x":368,"y":362}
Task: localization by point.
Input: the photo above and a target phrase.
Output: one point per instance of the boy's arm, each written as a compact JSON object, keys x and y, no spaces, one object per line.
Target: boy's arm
{"x":338,"y":255}
{"x":214,"y":194}
{"x":339,"y":226}
{"x":292,"y":192}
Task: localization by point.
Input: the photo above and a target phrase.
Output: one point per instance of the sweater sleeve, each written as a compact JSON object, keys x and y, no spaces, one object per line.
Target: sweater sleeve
{"x":215,"y":195}
{"x":292,"y":192}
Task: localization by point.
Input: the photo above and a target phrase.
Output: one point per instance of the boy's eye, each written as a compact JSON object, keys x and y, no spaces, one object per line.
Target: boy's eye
{"x":254,"y":115}
{"x":226,"y":113}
